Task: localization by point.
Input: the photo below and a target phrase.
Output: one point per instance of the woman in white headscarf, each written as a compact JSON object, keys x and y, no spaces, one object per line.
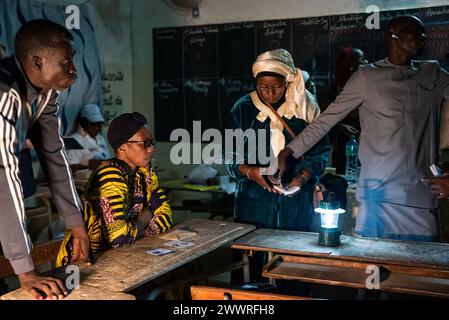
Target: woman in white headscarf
{"x":280,"y":89}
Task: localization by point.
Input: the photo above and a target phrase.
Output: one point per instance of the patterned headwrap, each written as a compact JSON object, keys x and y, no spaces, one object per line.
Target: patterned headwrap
{"x":299,"y":103}
{"x":123,"y":127}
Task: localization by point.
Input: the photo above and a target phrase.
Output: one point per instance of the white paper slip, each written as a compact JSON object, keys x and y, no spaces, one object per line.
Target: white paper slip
{"x":286,"y":191}
{"x":177,"y":235}
{"x":179,"y":244}
{"x":159,"y":251}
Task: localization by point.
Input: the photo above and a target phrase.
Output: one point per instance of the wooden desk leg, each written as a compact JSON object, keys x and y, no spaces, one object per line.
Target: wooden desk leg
{"x":272,"y":281}
{"x":246,"y":273}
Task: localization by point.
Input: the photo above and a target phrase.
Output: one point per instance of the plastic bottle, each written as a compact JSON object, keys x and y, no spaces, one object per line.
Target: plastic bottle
{"x":352,"y":161}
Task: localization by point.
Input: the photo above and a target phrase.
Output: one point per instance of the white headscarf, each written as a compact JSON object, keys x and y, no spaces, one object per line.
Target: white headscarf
{"x":298,"y":101}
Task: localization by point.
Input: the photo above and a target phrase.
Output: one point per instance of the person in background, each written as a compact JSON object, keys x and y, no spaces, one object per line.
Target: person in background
{"x":399,"y":101}
{"x":309,"y":84}
{"x":88,"y":135}
{"x":348,"y":62}
{"x":29,"y":83}
{"x":123,"y":200}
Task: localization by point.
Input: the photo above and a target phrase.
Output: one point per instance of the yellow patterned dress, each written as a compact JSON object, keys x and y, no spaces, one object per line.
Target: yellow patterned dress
{"x":115,"y":196}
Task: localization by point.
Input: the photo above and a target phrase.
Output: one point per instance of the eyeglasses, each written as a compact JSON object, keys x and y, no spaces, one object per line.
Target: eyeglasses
{"x":148,"y":143}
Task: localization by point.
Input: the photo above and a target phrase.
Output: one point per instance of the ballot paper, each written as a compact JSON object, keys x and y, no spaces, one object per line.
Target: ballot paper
{"x":286,"y":191}
{"x":159,"y":251}
{"x":179,"y":244}
{"x":177,"y":234}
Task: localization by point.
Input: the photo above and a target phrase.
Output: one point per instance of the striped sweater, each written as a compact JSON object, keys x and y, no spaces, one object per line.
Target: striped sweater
{"x":17,"y":122}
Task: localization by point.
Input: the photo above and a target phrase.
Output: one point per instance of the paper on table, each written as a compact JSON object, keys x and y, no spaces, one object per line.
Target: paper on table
{"x":177,"y":235}
{"x":179,"y":244}
{"x":159,"y":251}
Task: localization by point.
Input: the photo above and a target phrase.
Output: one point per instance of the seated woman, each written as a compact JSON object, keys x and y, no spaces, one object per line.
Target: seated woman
{"x":123,"y":200}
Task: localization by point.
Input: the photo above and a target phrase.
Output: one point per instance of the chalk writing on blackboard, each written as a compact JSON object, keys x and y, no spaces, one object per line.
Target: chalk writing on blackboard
{"x":200,"y":30}
{"x":315,"y":21}
{"x":436,"y":12}
{"x":238,"y":26}
{"x":273,"y":35}
{"x":276,"y":29}
{"x":198,"y":39}
{"x":236,"y":86}
{"x":165,"y":34}
{"x":355,"y":17}
{"x":165,"y":89}
{"x":199,"y":86}
{"x":277,"y":24}
{"x":208,"y":67}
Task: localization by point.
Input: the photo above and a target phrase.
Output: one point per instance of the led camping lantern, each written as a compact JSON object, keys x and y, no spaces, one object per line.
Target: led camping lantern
{"x":329,"y":210}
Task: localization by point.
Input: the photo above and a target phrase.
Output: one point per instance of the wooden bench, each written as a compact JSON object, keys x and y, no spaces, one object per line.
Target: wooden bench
{"x":214,"y":293}
{"x":339,"y":272}
{"x":401,"y":267}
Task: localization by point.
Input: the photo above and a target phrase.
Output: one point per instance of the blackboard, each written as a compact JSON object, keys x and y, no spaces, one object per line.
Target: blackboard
{"x":201,"y":71}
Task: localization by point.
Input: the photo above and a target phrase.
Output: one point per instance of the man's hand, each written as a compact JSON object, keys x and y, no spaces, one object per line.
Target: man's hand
{"x":36,"y":285}
{"x":143,"y":221}
{"x":301,"y":178}
{"x":281,"y":163}
{"x":253,"y":173}
{"x":80,"y":244}
{"x":439,"y":186}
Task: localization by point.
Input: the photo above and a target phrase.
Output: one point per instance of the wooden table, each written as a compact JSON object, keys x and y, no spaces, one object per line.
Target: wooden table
{"x":121,"y":270}
{"x":126,"y":268}
{"x":83,"y":293}
{"x":407,"y":267}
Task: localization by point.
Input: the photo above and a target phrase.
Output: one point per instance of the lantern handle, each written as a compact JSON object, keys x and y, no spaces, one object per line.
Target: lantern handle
{"x":318,"y":196}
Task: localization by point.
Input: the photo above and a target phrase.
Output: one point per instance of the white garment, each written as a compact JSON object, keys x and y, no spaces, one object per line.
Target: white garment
{"x":287,"y":110}
{"x":299,"y":102}
{"x":395,"y":221}
{"x":92,"y":148}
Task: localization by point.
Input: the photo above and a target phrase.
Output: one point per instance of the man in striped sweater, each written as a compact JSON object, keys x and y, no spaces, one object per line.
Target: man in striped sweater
{"x":29,"y":85}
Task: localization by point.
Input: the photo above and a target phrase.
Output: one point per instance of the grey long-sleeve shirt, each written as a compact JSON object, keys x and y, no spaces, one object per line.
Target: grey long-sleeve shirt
{"x":43,"y":128}
{"x":399,"y":110}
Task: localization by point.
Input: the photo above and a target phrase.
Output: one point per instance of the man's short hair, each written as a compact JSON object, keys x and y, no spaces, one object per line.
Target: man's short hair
{"x":37,"y":35}
{"x":398,"y":22}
